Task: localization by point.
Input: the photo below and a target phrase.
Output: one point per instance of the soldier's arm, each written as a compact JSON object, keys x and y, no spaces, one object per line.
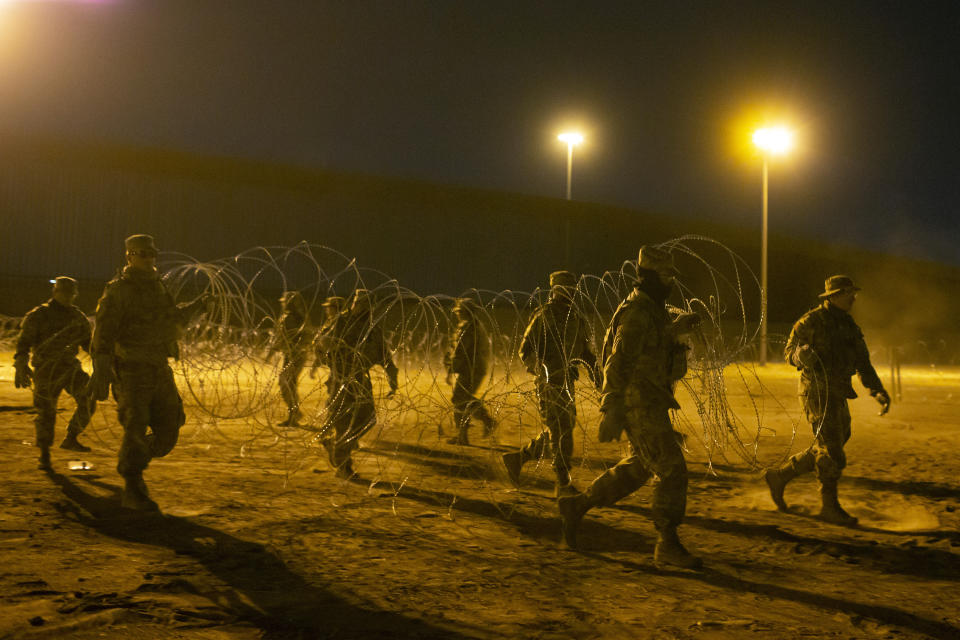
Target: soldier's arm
{"x":107,"y":323}
{"x":631,"y":353}
{"x":799,"y":344}
{"x":868,"y":375}
{"x":87,"y":331}
{"x":27,"y":339}
{"x":530,"y":347}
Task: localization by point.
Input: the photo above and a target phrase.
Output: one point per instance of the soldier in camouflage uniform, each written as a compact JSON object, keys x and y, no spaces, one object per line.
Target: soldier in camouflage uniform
{"x":555,"y":342}
{"x":643,"y":359}
{"x":356,"y":344}
{"x":827,"y":346}
{"x":55,"y":331}
{"x":468,"y":358}
{"x":332,"y":308}
{"x":292,"y":338}
{"x":137,"y":327}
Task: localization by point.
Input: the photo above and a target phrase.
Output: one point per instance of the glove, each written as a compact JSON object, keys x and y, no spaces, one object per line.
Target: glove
{"x":23,"y":376}
{"x":99,"y":386}
{"x":611,"y":425}
{"x":884,"y":399}
{"x":685,"y":323}
{"x":313,"y":373}
{"x":805,"y":357}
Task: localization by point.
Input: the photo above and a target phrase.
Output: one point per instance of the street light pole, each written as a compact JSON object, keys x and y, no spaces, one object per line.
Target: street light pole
{"x":763,"y":273}
{"x":770,"y":141}
{"x":572,"y":139}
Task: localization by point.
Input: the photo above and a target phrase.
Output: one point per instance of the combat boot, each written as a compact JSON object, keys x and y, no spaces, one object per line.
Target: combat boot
{"x":43,"y":462}
{"x":572,"y":509}
{"x":830,"y":510}
{"x":513,"y":461}
{"x":135,"y":495}
{"x":72,"y":444}
{"x":669,"y":551}
{"x":777,"y":481}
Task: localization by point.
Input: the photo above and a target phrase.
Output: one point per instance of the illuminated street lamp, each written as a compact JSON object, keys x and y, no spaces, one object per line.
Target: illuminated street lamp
{"x":772,"y":141}
{"x":572,"y":139}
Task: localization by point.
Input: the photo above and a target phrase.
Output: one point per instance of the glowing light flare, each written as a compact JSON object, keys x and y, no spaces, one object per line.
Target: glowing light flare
{"x":572,"y":138}
{"x":774,"y":140}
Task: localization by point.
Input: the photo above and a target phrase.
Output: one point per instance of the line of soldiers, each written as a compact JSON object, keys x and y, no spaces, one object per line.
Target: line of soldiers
{"x":643,"y":357}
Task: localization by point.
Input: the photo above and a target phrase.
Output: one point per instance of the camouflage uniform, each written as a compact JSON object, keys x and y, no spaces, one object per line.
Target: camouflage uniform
{"x":828,"y":348}
{"x":55,"y":332}
{"x":643,"y":359}
{"x":555,"y":342}
{"x":137,"y":327}
{"x":468,"y":358}
{"x":323,"y":341}
{"x":356,"y":344}
{"x":293,"y":338}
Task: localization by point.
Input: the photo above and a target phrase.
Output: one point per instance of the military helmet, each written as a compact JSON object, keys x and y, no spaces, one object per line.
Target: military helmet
{"x":334,"y":301}
{"x":563,"y":279}
{"x":656,"y":259}
{"x":140,"y":242}
{"x":837,"y":284}
{"x":65,"y":283}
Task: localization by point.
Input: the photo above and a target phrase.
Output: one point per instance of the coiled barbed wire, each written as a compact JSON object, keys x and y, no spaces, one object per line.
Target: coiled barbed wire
{"x":229,"y":367}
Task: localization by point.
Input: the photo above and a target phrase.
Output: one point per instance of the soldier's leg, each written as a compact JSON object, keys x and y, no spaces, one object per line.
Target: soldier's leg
{"x":362,"y":418}
{"x":561,"y":426}
{"x":166,"y":414}
{"x":659,"y":446}
{"x":135,"y":386}
{"x":475,"y":406}
{"x":46,"y":391}
{"x":831,"y":459}
{"x":461,"y":399}
{"x":288,"y":380}
{"x":608,"y":488}
{"x":513,"y":461}
{"x":86,"y":405}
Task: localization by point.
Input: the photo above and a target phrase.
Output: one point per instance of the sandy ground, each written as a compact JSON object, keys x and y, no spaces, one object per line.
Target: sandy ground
{"x":430,"y":541}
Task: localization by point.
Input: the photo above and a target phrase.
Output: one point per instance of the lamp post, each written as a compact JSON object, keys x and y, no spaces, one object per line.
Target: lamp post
{"x":572,"y":139}
{"x":771,"y":141}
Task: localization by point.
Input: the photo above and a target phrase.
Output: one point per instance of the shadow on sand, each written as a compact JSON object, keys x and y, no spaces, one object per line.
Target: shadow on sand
{"x":266,"y":593}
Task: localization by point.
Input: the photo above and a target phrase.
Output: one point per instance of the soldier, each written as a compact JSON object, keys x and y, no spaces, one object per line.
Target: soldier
{"x":555,"y":342}
{"x":332,"y":308}
{"x":357,"y":343}
{"x":468,"y":359}
{"x":642,"y":361}
{"x":827,"y":346}
{"x":137,"y":328}
{"x":55,"y":331}
{"x":292,"y":338}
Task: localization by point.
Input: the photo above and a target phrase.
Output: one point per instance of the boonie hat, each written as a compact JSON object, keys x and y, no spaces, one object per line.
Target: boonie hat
{"x":837,"y":284}
{"x":656,"y":259}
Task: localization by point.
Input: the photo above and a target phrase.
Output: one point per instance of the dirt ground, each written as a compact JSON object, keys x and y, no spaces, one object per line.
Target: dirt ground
{"x":430,"y":541}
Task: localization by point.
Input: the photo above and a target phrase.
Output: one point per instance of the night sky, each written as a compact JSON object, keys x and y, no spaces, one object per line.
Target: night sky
{"x":475,"y":93}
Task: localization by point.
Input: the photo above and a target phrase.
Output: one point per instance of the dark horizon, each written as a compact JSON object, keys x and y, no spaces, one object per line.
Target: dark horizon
{"x":475,"y":93}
